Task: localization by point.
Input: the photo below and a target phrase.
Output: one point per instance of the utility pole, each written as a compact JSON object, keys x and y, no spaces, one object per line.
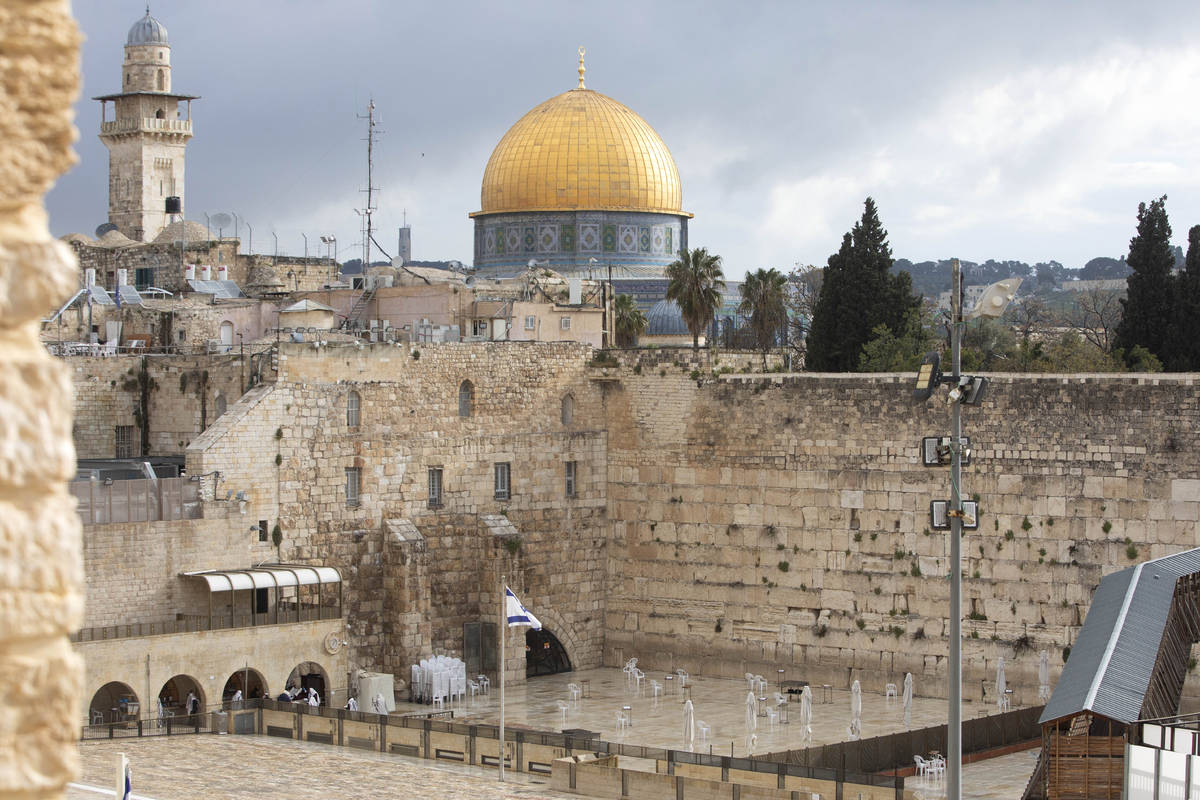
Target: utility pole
{"x":954,"y":731}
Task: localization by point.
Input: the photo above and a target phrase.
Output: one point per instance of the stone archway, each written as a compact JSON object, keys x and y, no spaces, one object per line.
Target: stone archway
{"x":174,"y":694}
{"x":249,"y":681}
{"x":565,"y":634}
{"x":113,"y":702}
{"x":310,"y":675}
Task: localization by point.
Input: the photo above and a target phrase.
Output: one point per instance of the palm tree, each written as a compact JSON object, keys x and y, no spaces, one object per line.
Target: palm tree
{"x":763,"y":294}
{"x":628,"y":320}
{"x":696,"y":284}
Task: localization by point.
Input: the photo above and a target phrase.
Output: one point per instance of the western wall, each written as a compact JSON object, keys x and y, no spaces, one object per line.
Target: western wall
{"x":782,"y":521}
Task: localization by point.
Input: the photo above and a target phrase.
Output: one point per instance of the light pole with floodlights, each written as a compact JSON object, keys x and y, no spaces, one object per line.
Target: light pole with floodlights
{"x":966,"y":390}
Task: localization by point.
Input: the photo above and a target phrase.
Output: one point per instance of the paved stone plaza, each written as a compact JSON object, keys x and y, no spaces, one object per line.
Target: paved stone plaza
{"x":206,"y":766}
{"x":721,"y":702}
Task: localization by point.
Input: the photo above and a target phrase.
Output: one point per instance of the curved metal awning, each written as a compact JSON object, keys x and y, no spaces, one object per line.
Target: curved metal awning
{"x":267,"y":576}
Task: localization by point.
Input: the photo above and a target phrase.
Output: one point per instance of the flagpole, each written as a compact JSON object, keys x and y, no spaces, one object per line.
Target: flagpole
{"x":503,"y":625}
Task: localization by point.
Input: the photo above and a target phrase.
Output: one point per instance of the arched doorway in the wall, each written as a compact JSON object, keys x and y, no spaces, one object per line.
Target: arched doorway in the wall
{"x":113,"y":702}
{"x":310,"y":675}
{"x":544,"y":654}
{"x":242,"y":679}
{"x":173,"y":696}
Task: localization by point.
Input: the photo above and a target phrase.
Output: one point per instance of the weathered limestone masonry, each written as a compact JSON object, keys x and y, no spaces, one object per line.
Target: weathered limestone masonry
{"x":184,"y":395}
{"x":40,"y":573}
{"x":760,"y":522}
{"x":133,"y":567}
{"x":415,"y":573}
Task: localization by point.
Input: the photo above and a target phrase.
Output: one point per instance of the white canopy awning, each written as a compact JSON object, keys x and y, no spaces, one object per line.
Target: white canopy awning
{"x":268,"y":576}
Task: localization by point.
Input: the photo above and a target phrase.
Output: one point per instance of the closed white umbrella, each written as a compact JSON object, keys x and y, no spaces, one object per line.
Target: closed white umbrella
{"x":908,"y":694}
{"x":855,"y":710}
{"x":1001,"y":685}
{"x":689,"y":725}
{"x":806,"y":714}
{"x":1044,"y":676}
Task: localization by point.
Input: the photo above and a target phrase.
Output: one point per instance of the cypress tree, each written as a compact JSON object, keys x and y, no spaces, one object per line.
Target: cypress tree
{"x":1185,"y":340}
{"x":1148,"y":305}
{"x":858,"y":294}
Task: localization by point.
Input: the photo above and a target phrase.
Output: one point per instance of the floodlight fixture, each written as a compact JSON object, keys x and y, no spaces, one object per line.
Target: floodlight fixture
{"x":928,"y":377}
{"x":940,"y":513}
{"x":935,"y":451}
{"x":995,"y":299}
{"x":969,"y":391}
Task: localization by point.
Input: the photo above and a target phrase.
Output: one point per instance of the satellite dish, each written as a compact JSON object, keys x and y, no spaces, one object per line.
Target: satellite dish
{"x":222,"y":220}
{"x":397,"y":262}
{"x":105,"y":228}
{"x":470,"y":281}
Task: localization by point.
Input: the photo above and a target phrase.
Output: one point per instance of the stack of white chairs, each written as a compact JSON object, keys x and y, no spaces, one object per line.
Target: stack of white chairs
{"x":630,"y":669}
{"x":439,"y":680}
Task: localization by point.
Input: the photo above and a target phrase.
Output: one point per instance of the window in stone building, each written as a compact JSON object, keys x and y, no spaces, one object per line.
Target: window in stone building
{"x":435,"y":487}
{"x":479,"y":327}
{"x":568,"y":409}
{"x":530,"y":322}
{"x":159,"y":114}
{"x":466,"y":398}
{"x":161,"y":84}
{"x":503,"y":476}
{"x":353,"y":485}
{"x":262,"y":530}
{"x":570,"y":473}
{"x":565,"y":323}
{"x":353,"y":405}
{"x":124,"y":441}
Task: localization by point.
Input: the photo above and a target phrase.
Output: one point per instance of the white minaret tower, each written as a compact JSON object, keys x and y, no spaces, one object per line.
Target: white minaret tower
{"x":147,"y":136}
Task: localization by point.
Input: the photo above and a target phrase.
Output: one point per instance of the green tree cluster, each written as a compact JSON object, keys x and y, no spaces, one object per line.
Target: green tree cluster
{"x":696,"y":283}
{"x":764,"y":294}
{"x":860,"y":300}
{"x":628,"y":321}
{"x":1160,"y":321}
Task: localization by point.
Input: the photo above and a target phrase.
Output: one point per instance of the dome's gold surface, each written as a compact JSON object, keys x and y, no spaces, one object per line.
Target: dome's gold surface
{"x":581,"y":150}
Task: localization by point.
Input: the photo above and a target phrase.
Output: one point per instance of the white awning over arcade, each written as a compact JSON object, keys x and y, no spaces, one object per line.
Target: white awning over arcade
{"x":268,"y":576}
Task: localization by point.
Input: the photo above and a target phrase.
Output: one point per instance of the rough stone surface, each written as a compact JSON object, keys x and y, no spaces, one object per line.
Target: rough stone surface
{"x":40,"y":598}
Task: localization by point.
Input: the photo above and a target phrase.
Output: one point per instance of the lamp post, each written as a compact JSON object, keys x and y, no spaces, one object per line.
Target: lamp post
{"x":967,"y":390}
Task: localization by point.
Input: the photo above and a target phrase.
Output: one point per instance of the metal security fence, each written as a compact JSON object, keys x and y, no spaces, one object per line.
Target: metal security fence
{"x":896,"y":750}
{"x":107,"y":502}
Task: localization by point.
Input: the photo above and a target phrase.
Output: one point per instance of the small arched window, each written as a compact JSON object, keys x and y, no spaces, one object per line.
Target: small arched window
{"x":159,"y":114}
{"x":353,"y":409}
{"x":221,"y":404}
{"x":466,"y":398}
{"x":568,"y":409}
{"x":162,"y":81}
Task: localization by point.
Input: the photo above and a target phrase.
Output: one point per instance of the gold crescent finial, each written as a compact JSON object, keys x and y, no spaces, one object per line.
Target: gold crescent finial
{"x":582,"y":69}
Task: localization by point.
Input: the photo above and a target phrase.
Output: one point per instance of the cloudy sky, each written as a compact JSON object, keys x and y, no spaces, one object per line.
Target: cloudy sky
{"x":1005,"y":130}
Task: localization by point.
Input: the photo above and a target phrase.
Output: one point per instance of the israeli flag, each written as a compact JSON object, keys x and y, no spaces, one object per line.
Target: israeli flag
{"x":517,"y":613}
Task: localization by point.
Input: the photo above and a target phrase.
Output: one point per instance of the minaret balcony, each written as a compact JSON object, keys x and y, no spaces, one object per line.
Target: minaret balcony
{"x":147,"y":125}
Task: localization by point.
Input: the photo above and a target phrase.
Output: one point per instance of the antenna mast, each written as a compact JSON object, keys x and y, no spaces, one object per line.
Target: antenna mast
{"x":365,"y":213}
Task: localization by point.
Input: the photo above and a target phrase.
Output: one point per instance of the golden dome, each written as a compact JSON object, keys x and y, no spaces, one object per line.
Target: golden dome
{"x":581,"y":150}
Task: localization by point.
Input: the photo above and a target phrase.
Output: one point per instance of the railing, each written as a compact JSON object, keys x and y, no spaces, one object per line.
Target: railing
{"x":146,"y":124}
{"x":142,"y":500}
{"x":895,"y":751}
{"x":196,"y":623}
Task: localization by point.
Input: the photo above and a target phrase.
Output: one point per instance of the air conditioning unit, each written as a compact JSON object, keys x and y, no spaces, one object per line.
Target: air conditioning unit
{"x":213,"y":346}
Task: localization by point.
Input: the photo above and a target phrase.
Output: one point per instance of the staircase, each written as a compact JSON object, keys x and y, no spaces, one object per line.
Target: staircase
{"x":354,"y":318}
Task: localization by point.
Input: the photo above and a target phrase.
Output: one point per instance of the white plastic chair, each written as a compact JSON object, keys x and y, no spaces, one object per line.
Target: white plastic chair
{"x":438,"y":702}
{"x":1002,"y":703}
{"x":760,"y":684}
{"x":922,"y":766}
{"x":889,"y":691}
{"x":683,"y":677}
{"x":638,"y":676}
{"x":655,"y":689}
{"x":703,"y":730}
{"x":750,"y":681}
{"x":622,"y":721}
{"x":574,"y":690}
{"x":937,"y":767}
{"x":562,"y":708}
{"x":485,"y":684}
{"x":97,"y":717}
{"x":473,"y":687}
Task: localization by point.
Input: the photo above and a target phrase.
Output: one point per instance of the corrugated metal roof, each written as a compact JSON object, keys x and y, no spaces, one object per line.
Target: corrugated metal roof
{"x":1113,"y":658}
